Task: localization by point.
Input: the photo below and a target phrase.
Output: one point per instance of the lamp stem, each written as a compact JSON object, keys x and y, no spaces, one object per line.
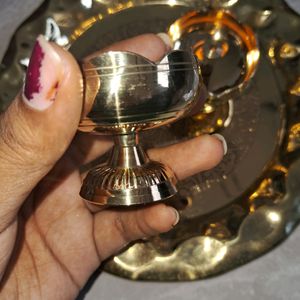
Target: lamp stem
{"x":127,"y":152}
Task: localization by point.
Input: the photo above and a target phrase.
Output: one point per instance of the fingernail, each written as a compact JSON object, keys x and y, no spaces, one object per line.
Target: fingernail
{"x":166,"y":39}
{"x":43,"y":76}
{"x":222,"y":139}
{"x":177,"y":216}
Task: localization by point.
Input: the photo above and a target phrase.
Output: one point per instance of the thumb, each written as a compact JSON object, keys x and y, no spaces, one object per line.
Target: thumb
{"x":39,"y":125}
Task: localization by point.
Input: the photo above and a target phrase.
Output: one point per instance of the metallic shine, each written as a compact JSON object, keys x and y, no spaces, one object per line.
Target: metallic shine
{"x":127,"y":93}
{"x":221,"y":44}
{"x":219,"y":230}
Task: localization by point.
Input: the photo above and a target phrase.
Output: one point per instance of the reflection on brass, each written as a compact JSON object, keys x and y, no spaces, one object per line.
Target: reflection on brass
{"x":250,"y":202}
{"x":272,"y":51}
{"x":289,"y":51}
{"x":294,"y":138}
{"x":217,"y":35}
{"x":263,"y":18}
{"x":129,"y":93}
{"x":213,"y":118}
{"x":223,"y":46}
{"x":259,"y":18}
{"x":221,"y":3}
{"x":295,"y":89}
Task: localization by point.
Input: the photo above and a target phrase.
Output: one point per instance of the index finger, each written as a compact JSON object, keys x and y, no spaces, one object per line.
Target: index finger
{"x":150,"y":45}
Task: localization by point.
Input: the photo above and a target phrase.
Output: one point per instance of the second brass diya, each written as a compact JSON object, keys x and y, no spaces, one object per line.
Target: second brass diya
{"x":228,"y":53}
{"x":226,"y":49}
{"x":129,"y":93}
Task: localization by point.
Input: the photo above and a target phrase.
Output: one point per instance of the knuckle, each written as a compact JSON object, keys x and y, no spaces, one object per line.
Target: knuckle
{"x":144,"y":225}
{"x":122,"y":230}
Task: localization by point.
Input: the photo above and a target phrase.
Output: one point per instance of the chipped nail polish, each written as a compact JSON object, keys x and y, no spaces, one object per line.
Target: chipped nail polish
{"x":43,"y":76}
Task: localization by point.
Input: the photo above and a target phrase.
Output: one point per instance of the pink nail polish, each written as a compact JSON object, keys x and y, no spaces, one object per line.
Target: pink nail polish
{"x":43,"y":76}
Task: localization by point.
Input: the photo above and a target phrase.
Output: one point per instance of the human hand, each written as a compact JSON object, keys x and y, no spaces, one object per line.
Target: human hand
{"x":50,"y":242}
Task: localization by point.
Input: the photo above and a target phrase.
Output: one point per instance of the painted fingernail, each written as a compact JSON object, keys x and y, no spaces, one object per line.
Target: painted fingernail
{"x":177,"y":216}
{"x":43,"y":77}
{"x":166,"y":39}
{"x":222,"y":139}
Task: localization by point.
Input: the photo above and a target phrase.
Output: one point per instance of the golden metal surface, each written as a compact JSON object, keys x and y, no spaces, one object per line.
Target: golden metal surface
{"x":289,"y":51}
{"x":128,"y":94}
{"x":249,"y":203}
{"x":215,"y":37}
{"x":295,"y":89}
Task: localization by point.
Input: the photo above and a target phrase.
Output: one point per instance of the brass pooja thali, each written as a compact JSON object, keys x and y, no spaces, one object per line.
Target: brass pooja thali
{"x":249,"y":52}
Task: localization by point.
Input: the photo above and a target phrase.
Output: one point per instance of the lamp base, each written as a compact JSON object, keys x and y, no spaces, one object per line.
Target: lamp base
{"x":124,"y":187}
{"x":129,"y":177}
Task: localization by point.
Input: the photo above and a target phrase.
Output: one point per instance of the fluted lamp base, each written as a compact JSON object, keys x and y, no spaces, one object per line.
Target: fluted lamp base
{"x":129,"y":177}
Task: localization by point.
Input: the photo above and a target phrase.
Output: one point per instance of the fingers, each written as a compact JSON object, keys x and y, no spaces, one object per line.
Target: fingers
{"x":153,"y":47}
{"x":185,"y":158}
{"x":39,"y":124}
{"x":193,"y":156}
{"x":127,"y":226}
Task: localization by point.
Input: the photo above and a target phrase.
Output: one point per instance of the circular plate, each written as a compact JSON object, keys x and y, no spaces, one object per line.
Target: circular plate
{"x":252,"y":134}
{"x":233,"y":213}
